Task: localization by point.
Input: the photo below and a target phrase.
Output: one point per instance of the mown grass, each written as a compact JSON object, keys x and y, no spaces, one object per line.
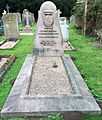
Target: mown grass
{"x":24,"y":47}
{"x":2,"y":38}
{"x":88,"y":60}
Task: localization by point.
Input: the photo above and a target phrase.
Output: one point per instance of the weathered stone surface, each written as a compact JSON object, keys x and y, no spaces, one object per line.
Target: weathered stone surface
{"x":48,"y":38}
{"x":11,"y":26}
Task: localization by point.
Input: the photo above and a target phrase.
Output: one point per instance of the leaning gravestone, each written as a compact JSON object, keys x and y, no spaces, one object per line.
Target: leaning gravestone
{"x":49,"y":81}
{"x":11,"y":31}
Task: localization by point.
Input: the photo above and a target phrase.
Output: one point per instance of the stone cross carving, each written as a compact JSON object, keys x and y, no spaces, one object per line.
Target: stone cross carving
{"x":7,"y":7}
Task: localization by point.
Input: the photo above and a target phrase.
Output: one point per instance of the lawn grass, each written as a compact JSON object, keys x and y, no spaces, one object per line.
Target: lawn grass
{"x":88,"y":60}
{"x":24,"y":47}
{"x":21,"y":27}
{"x":2,"y":38}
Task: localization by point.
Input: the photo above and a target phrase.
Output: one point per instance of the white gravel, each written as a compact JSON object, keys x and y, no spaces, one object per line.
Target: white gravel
{"x":47,"y":80}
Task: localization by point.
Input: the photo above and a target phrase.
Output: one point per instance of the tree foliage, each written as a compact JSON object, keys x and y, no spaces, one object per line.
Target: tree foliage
{"x":94,"y":14}
{"x":34,"y":5}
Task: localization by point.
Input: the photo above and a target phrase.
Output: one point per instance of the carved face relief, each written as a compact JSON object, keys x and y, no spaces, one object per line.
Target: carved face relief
{"x":48,"y":18}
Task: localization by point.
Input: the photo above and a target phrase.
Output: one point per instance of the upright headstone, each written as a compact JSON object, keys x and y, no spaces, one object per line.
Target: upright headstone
{"x":18,"y":17}
{"x":73,"y":19}
{"x":11,"y":26}
{"x":1,"y":27}
{"x":31,"y":18}
{"x":64,"y":28}
{"x":48,"y":38}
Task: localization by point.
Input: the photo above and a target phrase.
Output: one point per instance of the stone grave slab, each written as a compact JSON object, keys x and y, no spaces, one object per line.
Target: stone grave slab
{"x":5,"y":63}
{"x":10,"y":30}
{"x":48,"y":81}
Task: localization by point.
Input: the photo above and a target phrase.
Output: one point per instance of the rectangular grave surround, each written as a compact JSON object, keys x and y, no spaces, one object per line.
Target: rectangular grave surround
{"x":9,"y":43}
{"x":5,"y":62}
{"x":22,"y":101}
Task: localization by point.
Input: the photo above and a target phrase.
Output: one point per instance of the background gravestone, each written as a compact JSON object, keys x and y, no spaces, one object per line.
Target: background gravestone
{"x":18,"y":17}
{"x":1,"y":27}
{"x":73,"y":19}
{"x":48,"y":38}
{"x":64,"y":28}
{"x":11,"y":26}
{"x":30,"y":17}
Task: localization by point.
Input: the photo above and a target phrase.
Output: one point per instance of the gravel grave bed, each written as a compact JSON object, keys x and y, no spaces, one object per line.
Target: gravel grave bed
{"x":49,"y":77}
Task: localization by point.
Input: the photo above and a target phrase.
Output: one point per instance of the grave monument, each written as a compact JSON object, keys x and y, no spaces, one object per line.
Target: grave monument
{"x":48,"y":81}
{"x":65,"y":33}
{"x":11,"y":31}
{"x":26,"y":20}
{"x":18,"y":17}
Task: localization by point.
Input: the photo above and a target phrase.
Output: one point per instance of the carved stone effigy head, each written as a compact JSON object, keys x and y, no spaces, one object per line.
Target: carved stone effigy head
{"x":48,"y":9}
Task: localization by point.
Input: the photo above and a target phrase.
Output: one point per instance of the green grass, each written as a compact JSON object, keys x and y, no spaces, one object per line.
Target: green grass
{"x":2,"y":38}
{"x":21,"y":27}
{"x":33,"y":27}
{"x":24,"y":47}
{"x":88,"y":60}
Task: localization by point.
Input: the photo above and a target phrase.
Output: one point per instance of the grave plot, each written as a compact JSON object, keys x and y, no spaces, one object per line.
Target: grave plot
{"x":5,"y":63}
{"x":8,"y":44}
{"x":10,"y":30}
